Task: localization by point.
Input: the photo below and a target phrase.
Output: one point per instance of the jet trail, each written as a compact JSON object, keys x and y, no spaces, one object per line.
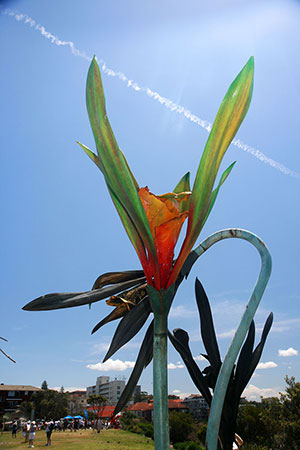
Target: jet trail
{"x":169,"y":104}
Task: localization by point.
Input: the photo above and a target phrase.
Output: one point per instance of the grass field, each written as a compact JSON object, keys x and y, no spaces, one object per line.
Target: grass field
{"x":81,"y":440}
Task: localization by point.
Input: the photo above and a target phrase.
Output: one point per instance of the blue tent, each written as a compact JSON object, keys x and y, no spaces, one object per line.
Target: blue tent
{"x":68,"y":417}
{"x":77,"y":417}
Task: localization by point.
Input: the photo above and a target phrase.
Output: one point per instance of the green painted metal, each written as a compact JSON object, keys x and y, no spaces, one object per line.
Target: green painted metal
{"x":239,"y":337}
{"x":160,"y":302}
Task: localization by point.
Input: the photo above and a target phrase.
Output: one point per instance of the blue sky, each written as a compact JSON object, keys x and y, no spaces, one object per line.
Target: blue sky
{"x":59,"y":229}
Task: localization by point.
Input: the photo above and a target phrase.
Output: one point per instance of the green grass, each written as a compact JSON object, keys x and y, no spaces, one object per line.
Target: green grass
{"x":81,"y":440}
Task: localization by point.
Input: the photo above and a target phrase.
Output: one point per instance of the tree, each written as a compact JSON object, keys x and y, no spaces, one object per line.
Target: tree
{"x":273,"y":422}
{"x":181,"y":425}
{"x":97,"y":402}
{"x":25,"y":410}
{"x":44,"y":385}
{"x":50,"y":404}
{"x":290,"y":408}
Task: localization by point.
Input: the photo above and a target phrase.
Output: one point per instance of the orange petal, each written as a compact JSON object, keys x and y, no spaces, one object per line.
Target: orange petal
{"x":165,"y":219}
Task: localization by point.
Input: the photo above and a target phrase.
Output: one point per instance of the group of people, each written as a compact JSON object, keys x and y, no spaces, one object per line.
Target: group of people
{"x":29,"y":429}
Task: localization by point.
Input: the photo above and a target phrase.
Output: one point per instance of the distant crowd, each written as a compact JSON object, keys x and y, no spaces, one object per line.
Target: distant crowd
{"x":29,"y":428}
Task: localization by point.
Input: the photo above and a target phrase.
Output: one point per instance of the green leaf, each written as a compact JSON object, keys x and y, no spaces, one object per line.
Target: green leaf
{"x":213,"y":195}
{"x":227,"y":122}
{"x":128,"y":224}
{"x":113,"y":164}
{"x":91,"y":155}
{"x":183,"y":185}
{"x":96,"y":160}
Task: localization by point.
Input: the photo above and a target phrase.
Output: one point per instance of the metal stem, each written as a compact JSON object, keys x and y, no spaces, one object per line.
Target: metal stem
{"x":160,"y":303}
{"x":240,"y":334}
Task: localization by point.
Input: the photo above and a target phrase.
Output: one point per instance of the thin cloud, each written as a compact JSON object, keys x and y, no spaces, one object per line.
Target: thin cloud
{"x":226,"y":334}
{"x":254,"y":393}
{"x":68,"y":388}
{"x":112,"y":365}
{"x":169,"y":104}
{"x":178,"y":365}
{"x":180,"y":394}
{"x":267,"y":365}
{"x":176,"y":391}
{"x":289,"y":352}
{"x":281,"y":326}
{"x":182,"y":312}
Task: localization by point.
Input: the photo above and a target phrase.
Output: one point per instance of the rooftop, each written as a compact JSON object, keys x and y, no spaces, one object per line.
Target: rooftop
{"x":18,"y":387}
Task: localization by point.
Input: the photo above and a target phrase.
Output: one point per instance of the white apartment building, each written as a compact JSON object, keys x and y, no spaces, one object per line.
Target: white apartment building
{"x":112,"y":390}
{"x":197,"y":406}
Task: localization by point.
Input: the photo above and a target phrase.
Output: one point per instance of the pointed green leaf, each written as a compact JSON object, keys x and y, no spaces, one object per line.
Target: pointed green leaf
{"x":183,"y":185}
{"x":116,"y":172}
{"x":213,"y":195}
{"x":91,"y":155}
{"x":227,"y":122}
{"x":128,"y":224}
{"x":96,"y":160}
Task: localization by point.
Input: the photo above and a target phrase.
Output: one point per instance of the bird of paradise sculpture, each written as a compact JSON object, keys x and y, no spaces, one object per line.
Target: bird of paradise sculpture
{"x":153,"y":224}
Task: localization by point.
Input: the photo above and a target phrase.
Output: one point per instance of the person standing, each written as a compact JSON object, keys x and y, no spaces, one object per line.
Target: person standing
{"x":14,"y":429}
{"x":99,"y":425}
{"x":31,"y":436}
{"x":49,"y":429}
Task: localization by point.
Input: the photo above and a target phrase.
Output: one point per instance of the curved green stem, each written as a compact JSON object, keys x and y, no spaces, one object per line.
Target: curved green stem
{"x":240,"y":334}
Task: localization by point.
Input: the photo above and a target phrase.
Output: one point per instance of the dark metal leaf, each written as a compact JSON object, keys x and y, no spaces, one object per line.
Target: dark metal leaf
{"x":70,"y":299}
{"x":188,"y":264}
{"x":117,"y":313}
{"x":145,"y":354}
{"x":129,"y":326}
{"x":180,"y":341}
{"x":117,"y":277}
{"x":258,"y":350}
{"x":124,"y":302}
{"x":244,"y":361}
{"x":207,"y":328}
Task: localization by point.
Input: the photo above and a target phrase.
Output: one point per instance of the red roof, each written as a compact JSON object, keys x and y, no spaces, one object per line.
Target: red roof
{"x":107,"y":411}
{"x":140,"y":406}
{"x":144,"y":406}
{"x":176,"y":404}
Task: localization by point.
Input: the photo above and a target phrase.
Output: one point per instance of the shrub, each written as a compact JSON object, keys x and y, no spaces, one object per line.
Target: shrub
{"x":181,"y":425}
{"x":201,"y":433}
{"x":188,"y":446}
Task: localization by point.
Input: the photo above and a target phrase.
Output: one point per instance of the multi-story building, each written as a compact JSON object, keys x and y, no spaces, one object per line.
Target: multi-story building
{"x":145,"y":409}
{"x":11,"y":396}
{"x":77,"y":402}
{"x":197,"y":406}
{"x":112,"y":390}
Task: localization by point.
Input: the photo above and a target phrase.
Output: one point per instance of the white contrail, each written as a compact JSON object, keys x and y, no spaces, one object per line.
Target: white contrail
{"x":154,"y":95}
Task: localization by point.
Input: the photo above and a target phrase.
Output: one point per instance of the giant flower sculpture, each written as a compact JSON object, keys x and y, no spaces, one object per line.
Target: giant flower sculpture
{"x":153,"y":224}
